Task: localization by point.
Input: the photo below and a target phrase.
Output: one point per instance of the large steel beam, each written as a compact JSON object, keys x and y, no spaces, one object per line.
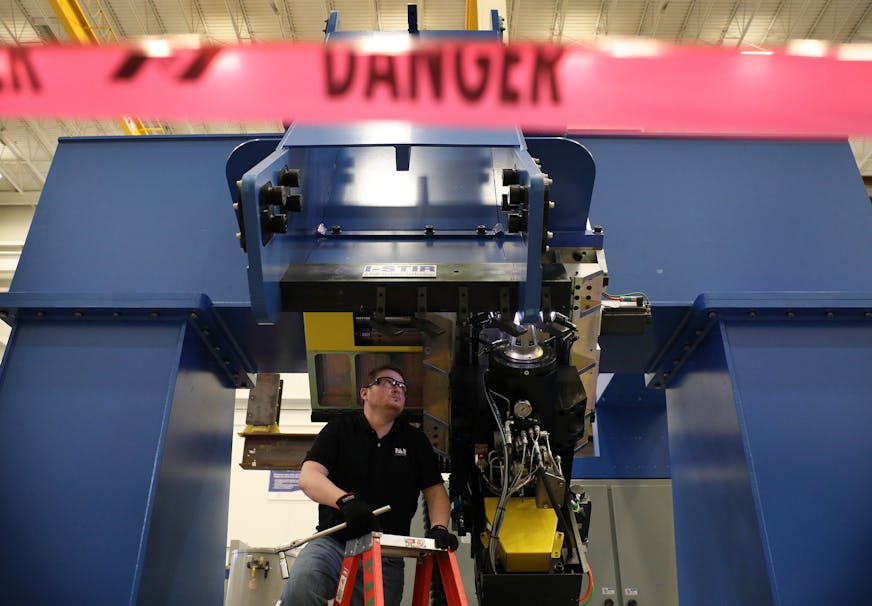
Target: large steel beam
{"x":120,"y":461}
{"x":769,"y":441}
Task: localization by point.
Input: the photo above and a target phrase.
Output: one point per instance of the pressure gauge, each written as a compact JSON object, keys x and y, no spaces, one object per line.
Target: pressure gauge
{"x":523,"y":408}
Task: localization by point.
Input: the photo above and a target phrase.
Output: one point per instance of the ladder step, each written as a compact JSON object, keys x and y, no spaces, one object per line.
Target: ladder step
{"x":398,"y":546}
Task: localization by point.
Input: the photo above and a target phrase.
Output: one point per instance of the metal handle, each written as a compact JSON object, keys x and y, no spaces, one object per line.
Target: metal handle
{"x":326,"y":532}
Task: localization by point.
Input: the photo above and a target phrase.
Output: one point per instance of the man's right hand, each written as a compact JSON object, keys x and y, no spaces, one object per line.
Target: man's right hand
{"x":358,"y":514}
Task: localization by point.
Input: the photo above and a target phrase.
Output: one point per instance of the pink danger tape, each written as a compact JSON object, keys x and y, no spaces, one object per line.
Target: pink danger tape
{"x":624,"y":86}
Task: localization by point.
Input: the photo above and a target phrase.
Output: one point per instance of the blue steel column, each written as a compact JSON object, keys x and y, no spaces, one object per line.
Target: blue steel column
{"x":115,"y":450}
{"x":769,"y":437}
{"x":131,"y":311}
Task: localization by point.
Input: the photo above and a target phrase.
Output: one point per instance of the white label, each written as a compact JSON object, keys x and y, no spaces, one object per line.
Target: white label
{"x":399,"y":270}
{"x":631,"y":591}
{"x":609,"y":591}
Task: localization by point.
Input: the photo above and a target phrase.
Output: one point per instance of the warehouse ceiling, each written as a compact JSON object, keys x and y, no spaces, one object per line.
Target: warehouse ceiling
{"x":27,"y":146}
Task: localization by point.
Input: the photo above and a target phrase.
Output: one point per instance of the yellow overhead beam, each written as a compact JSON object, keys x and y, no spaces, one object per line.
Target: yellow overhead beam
{"x":75,"y":22}
{"x":471,"y":14}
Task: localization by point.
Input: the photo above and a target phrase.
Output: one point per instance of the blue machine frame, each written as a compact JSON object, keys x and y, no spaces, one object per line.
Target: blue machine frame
{"x":131,"y":295}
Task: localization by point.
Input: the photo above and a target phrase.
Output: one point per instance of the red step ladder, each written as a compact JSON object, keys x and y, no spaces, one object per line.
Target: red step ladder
{"x":371,"y":547}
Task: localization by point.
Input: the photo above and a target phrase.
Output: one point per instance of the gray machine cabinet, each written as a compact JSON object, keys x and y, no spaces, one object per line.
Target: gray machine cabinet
{"x":631,"y":546}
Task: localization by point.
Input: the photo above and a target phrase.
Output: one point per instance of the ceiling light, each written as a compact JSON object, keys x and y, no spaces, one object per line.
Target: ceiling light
{"x":756,"y":50}
{"x":807,"y":48}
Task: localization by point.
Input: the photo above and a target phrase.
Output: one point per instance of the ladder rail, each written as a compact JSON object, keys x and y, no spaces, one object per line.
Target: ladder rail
{"x":370,"y":548}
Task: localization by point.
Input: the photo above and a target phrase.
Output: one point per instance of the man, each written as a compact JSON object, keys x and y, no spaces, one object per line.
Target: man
{"x":361,"y":463}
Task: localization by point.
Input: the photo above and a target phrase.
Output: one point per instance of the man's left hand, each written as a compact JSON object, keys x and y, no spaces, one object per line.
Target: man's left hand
{"x":443,"y":538}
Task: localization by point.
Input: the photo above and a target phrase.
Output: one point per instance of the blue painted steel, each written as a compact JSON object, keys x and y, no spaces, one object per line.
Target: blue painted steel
{"x":708,"y":309}
{"x":494,"y":34}
{"x":496,"y":22}
{"x":230,"y":360}
{"x":137,"y":216}
{"x":719,"y":553}
{"x":629,"y":390}
{"x":530,"y":291}
{"x":572,"y":171}
{"x":120,"y":462}
{"x":389,"y":133}
{"x":632,"y":442}
{"x":350,"y":179}
{"x":631,"y":433}
{"x":769,"y":437}
{"x":686,"y":217}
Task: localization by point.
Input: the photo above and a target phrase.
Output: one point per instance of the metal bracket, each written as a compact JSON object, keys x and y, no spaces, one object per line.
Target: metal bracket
{"x":505,"y":299}
{"x":546,"y":300}
{"x":264,"y":401}
{"x":708,"y":310}
{"x":463,"y":301}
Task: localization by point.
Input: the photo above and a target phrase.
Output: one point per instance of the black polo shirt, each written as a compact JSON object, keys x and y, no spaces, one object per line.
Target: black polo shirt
{"x":387,"y":471}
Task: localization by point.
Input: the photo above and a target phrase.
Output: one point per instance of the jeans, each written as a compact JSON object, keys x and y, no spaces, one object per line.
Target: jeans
{"x":315,"y":574}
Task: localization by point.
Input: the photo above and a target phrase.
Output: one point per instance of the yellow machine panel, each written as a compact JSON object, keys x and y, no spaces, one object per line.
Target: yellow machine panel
{"x":528,"y":538}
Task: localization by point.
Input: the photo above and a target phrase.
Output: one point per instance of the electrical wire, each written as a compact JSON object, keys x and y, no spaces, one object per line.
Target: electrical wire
{"x":585,"y":599}
{"x":504,"y":493}
{"x":636,"y":293}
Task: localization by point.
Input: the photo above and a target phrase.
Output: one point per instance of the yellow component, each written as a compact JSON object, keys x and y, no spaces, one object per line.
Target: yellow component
{"x":471,"y":14}
{"x":334,"y":331}
{"x":528,"y":538}
{"x":557,"y":545}
{"x":74,"y":20}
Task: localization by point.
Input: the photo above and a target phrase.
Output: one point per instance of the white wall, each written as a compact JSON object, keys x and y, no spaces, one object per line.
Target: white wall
{"x":14,"y":224}
{"x":258,"y":517}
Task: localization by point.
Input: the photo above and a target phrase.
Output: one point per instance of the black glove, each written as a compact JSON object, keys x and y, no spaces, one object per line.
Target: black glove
{"x":358,"y":515}
{"x":443,"y":538}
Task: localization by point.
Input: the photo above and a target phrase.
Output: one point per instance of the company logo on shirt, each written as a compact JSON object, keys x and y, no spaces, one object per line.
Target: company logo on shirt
{"x":400,"y":452}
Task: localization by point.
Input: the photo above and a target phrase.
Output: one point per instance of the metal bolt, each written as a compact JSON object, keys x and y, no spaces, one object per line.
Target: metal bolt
{"x":239,"y":235}
{"x":40,"y":314}
{"x":116,"y":314}
{"x":155,"y":314}
{"x":217,"y":348}
{"x":78,"y":313}
{"x":790,"y":314}
{"x":549,"y":235}
{"x":4,"y":313}
{"x":206,"y":332}
{"x":551,"y":204}
{"x":194,"y":315}
{"x":712,"y":315}
{"x":829,"y":314}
